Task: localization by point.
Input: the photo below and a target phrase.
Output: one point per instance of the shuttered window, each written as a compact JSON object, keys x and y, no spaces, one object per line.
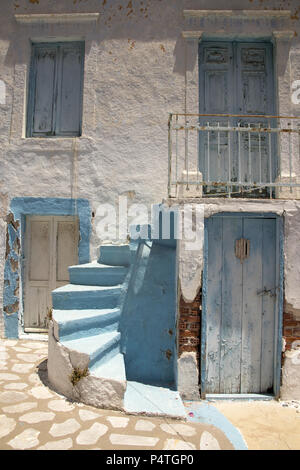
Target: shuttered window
{"x":55,"y":90}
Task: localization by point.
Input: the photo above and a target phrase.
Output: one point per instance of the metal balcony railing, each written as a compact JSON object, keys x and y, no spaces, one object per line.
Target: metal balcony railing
{"x":233,"y":156}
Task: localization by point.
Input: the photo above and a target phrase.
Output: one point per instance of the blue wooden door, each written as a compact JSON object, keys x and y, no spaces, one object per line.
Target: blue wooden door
{"x":236,"y":78}
{"x":241,"y":305}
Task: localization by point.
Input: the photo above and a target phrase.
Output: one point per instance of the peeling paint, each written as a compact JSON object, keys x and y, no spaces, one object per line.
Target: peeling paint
{"x":20,"y":207}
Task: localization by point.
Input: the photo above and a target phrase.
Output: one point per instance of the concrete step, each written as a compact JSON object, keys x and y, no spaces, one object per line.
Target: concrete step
{"x":75,"y":296}
{"x":99,"y":348}
{"x":115,"y":255}
{"x":95,"y":274}
{"x":75,"y":324}
{"x":114,"y":368}
{"x":153,"y":400}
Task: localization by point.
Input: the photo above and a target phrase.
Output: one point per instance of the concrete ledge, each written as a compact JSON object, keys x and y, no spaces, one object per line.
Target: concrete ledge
{"x":237,"y":13}
{"x":57,"y":18}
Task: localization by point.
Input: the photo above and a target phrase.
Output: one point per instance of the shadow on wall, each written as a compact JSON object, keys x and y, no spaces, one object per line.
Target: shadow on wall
{"x":148,"y":324}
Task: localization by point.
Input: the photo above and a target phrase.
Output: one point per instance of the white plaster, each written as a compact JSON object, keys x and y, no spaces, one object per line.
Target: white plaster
{"x":290,"y":389}
{"x":2,"y":92}
{"x":188,"y":376}
{"x":91,"y":390}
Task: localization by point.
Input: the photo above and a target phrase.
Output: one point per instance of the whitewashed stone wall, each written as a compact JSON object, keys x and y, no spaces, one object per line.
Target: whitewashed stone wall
{"x":138,"y":68}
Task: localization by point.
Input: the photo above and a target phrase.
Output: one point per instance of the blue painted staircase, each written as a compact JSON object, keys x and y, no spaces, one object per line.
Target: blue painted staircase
{"x":86,"y":333}
{"x":86,"y":313}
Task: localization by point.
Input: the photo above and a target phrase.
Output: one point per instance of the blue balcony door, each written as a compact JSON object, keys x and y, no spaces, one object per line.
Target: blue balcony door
{"x":241,"y":298}
{"x":236,"y":78}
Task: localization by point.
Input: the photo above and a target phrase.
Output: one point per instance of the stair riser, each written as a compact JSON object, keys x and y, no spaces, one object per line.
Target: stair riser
{"x":85,"y":300}
{"x":104,"y":356}
{"x":94,"y":277}
{"x":114,"y":255}
{"x":70,"y":334}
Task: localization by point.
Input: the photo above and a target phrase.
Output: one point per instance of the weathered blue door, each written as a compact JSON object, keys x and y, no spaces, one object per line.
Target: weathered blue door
{"x":240,"y":305}
{"x":236,"y":78}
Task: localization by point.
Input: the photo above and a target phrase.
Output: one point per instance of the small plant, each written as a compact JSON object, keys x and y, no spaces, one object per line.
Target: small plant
{"x":78,"y":374}
{"x":49,"y":313}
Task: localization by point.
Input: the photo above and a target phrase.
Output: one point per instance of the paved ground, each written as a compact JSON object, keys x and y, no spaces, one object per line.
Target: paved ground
{"x":265,"y":425}
{"x":32,"y":416}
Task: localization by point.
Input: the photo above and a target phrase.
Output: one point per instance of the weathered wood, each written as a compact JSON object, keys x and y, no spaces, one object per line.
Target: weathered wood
{"x":51,"y":246}
{"x":214,"y":303}
{"x":55,"y":89}
{"x":236,"y":78}
{"x":240,"y":306}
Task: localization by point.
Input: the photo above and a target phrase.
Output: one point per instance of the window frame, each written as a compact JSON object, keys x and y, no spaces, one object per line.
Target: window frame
{"x":80,"y":45}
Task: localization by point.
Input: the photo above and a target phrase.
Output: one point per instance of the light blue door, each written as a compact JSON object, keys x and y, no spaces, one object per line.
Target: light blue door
{"x":236,"y":78}
{"x":240,"y":305}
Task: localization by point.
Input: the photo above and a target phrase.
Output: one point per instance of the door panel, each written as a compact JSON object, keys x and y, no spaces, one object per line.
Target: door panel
{"x":39,"y":262}
{"x":241,"y":298}
{"x":232,"y":299}
{"x":51,"y":246}
{"x":45,"y":65}
{"x":67,"y":244}
{"x":252,"y":308}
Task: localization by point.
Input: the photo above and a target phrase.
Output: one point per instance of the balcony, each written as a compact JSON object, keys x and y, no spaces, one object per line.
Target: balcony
{"x":233,"y":156}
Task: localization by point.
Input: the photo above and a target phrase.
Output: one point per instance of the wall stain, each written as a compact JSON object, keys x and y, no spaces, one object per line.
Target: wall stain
{"x":168,"y":353}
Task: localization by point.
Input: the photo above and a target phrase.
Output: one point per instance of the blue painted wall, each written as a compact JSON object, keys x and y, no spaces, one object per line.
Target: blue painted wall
{"x":148,"y":323}
{"x":19,"y":208}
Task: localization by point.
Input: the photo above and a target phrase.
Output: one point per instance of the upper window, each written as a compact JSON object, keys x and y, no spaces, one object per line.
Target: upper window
{"x":55,"y":89}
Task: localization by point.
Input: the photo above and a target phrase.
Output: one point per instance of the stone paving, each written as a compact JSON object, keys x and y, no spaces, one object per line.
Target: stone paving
{"x":33,"y":416}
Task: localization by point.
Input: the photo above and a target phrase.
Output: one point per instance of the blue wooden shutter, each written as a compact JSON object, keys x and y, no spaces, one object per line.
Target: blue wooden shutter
{"x":55,"y":90}
{"x":217,"y":93}
{"x":70,"y":89}
{"x":42,"y":88}
{"x":255,"y":96}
